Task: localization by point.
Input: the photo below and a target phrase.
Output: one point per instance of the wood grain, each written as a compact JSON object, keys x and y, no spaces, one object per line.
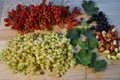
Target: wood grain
{"x":112,"y":72}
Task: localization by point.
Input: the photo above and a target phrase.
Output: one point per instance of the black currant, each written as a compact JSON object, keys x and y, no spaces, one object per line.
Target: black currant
{"x":104,"y":19}
{"x":96,"y":19}
{"x":106,"y":23}
{"x":89,"y":21}
{"x":100,"y":13}
{"x":92,"y":27}
{"x":97,"y":28}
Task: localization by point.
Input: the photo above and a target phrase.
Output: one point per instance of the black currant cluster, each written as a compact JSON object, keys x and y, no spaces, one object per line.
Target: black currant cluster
{"x":102,"y":22}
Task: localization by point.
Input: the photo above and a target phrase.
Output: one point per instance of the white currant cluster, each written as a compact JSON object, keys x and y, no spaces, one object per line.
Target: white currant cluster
{"x":34,"y":53}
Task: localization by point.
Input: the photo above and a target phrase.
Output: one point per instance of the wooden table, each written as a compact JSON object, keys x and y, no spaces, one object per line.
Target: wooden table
{"x":112,"y":72}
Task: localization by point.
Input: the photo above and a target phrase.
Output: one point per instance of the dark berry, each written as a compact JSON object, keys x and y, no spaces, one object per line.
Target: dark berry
{"x":102,"y":22}
{"x":96,"y":19}
{"x":97,"y":28}
{"x":101,"y":28}
{"x":98,"y":22}
{"x":104,"y":19}
{"x":100,"y":18}
{"x":92,"y":18}
{"x":104,"y":26}
{"x":92,"y":27}
{"x":100,"y":13}
{"x":94,"y":15}
{"x":89,"y":21}
{"x":105,"y":23}
{"x":106,"y":29}
{"x":103,"y":16}
{"x":108,"y":26}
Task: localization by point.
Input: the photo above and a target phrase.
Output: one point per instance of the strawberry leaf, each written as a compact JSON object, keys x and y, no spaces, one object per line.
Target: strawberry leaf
{"x":100,"y":65}
{"x":84,"y":24}
{"x":83,"y":57}
{"x":89,"y":7}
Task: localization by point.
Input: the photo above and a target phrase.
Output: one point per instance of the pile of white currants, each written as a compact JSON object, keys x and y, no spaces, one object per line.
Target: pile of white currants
{"x":35,"y":53}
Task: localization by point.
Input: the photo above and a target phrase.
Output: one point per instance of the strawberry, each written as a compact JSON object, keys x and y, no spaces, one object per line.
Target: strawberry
{"x":108,"y":40}
{"x":101,"y":49}
{"x":118,"y":55}
{"x":112,"y":48}
{"x":113,"y":53}
{"x":112,"y":26}
{"x":106,"y":52}
{"x":100,"y":37}
{"x":107,"y":46}
{"x":102,"y":42}
{"x":108,"y":35}
{"x":112,"y":38}
{"x":116,"y":33}
{"x":118,"y":38}
{"x":97,"y":33}
{"x":116,"y":50}
{"x":114,"y":42}
{"x":117,"y":44}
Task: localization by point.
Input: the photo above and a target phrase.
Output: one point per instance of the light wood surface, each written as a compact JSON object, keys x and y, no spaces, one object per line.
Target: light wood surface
{"x":112,"y":72}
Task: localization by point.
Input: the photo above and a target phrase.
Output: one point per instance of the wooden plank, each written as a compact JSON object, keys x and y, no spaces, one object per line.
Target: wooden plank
{"x":7,"y":33}
{"x":112,"y":73}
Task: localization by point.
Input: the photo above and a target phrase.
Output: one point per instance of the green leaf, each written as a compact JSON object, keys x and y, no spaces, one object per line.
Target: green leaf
{"x":77,"y":60}
{"x":89,"y":7}
{"x":74,"y":42}
{"x":100,"y":65}
{"x":78,"y":30}
{"x":72,"y":34}
{"x":93,"y":60}
{"x":83,"y":57}
{"x":93,"y":43}
{"x":89,"y":33}
{"x":83,"y":45}
{"x":84,"y":23}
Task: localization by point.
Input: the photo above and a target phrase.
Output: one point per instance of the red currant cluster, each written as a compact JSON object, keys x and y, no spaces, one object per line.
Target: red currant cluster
{"x":29,"y":18}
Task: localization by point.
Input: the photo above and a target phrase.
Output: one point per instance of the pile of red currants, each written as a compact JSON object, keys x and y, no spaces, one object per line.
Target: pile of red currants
{"x":41,"y":17}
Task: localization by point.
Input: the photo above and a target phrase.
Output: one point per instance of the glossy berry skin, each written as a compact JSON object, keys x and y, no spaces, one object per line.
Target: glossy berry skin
{"x":101,"y":20}
{"x":106,"y":34}
{"x":29,"y":18}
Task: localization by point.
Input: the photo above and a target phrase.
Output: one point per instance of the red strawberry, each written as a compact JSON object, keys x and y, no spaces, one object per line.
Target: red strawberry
{"x":107,"y":46}
{"x":102,"y":42}
{"x":108,"y":40}
{"x":100,"y":37}
{"x":112,"y":48}
{"x":112,"y":26}
{"x":101,"y":49}
{"x":112,"y":38}
{"x":117,"y":44}
{"x":116,"y":33}
{"x":118,"y":38}
{"x":97,"y":33}
{"x":108,"y":35}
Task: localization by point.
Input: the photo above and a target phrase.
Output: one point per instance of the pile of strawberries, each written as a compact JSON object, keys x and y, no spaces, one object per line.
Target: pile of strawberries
{"x":109,"y":43}
{"x":36,"y":17}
